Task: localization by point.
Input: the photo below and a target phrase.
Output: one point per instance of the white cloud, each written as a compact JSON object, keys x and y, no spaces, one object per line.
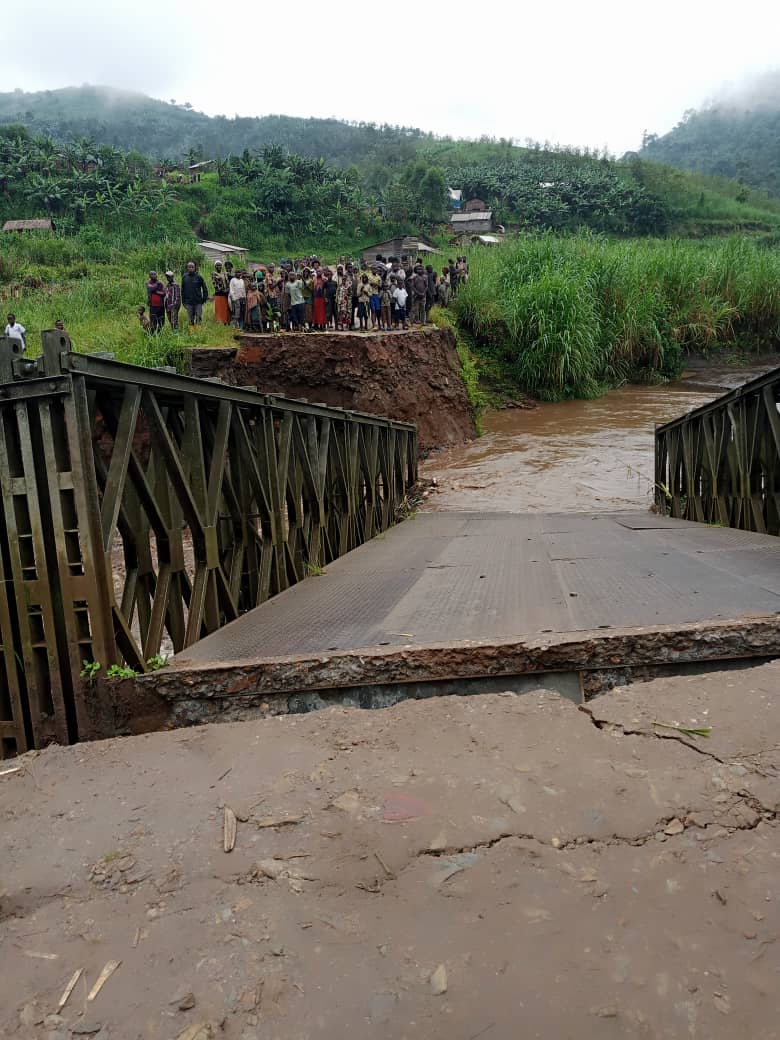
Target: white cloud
{"x":589,"y":74}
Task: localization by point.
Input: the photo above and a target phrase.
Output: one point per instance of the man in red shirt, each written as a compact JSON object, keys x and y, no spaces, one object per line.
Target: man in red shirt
{"x":155,"y":297}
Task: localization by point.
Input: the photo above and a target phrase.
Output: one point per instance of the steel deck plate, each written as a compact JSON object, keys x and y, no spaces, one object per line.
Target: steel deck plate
{"x":450,"y":577}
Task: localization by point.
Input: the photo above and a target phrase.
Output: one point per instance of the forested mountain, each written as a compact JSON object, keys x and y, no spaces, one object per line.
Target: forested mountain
{"x":736,"y":136}
{"x":157,"y":129}
{"x":85,"y":156}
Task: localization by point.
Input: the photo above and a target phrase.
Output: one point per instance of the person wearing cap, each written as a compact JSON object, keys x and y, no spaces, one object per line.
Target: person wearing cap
{"x":155,"y":298}
{"x":194,"y":294}
{"x":172,"y":300}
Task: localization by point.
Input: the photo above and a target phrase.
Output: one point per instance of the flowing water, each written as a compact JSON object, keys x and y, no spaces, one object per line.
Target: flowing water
{"x":570,"y":455}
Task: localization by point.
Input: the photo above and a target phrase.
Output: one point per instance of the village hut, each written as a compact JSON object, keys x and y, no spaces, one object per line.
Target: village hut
{"x":202,"y":167}
{"x":42,"y":224}
{"x":222,"y":251}
{"x":480,"y":222}
{"x":474,"y":206}
{"x":455,"y":198}
{"x":405,"y":245}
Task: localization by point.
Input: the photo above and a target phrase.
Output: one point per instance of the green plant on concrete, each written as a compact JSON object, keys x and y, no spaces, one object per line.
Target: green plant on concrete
{"x":90,"y":670}
{"x":704,"y":731}
{"x":120,"y":671}
{"x":157,"y":662}
{"x":314,"y":570}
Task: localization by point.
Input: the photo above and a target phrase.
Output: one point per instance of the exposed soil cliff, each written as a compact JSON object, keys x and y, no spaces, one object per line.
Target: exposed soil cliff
{"x":411,"y":376}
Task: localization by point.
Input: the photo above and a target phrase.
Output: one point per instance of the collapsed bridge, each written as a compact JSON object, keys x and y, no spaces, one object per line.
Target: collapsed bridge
{"x":146,"y":512}
{"x":143,"y":510}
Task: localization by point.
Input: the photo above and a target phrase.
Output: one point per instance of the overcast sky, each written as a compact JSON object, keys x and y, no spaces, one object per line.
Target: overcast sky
{"x":595,"y":73}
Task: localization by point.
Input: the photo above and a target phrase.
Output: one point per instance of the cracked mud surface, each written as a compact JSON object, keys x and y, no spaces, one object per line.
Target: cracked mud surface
{"x":576,"y":872}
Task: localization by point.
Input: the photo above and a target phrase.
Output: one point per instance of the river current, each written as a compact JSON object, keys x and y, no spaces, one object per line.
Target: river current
{"x":571,"y":455}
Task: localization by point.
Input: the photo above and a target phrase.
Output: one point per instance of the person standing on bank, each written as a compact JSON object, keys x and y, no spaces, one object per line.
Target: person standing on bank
{"x":14,"y":330}
{"x":364,"y":302}
{"x":297,"y":303}
{"x":237,"y":296}
{"x":331,"y":288}
{"x":172,"y":300}
{"x":155,"y":298}
{"x":194,"y":294}
{"x":221,"y":284}
{"x":419,"y":295}
{"x":454,"y":278}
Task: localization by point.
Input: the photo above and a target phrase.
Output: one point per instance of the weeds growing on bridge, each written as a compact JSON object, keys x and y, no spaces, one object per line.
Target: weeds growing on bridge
{"x":569,"y":316}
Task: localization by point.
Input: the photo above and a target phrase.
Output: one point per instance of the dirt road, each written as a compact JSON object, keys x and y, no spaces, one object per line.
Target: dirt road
{"x":492,"y":866}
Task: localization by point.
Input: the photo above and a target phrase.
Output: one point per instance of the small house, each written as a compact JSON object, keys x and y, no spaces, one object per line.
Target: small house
{"x":222,"y":251}
{"x":200,"y":167}
{"x":480,"y":222}
{"x":455,"y":198}
{"x":474,"y":206}
{"x":43,"y":224}
{"x":404,"y":245}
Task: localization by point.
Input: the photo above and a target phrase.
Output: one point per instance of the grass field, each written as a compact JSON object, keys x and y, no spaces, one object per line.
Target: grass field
{"x":554,"y":316}
{"x":559,"y":316}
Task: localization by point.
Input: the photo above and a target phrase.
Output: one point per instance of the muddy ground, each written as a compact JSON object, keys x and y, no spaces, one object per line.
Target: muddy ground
{"x":498,"y":866}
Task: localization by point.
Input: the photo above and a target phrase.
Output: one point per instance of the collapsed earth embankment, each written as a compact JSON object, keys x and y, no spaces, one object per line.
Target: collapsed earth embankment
{"x":413,"y":376}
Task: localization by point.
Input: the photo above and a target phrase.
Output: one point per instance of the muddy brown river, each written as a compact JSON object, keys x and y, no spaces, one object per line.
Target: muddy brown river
{"x":571,"y":455}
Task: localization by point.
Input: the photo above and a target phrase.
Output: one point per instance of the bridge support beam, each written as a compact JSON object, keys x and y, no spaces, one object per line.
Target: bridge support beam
{"x":142,"y":510}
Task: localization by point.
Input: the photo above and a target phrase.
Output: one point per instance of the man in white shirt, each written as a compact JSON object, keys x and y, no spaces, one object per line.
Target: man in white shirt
{"x":237,"y":298}
{"x":400,"y":295}
{"x":16,"y":331}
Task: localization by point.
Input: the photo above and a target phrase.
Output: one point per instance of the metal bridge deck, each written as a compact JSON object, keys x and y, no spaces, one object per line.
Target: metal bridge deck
{"x":450,"y":578}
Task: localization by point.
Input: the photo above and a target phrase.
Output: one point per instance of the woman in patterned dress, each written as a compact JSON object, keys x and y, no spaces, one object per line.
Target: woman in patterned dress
{"x":343,"y":300}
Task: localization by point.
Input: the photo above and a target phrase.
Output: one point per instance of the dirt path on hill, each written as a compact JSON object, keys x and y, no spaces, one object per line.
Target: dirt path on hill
{"x":494,"y":866}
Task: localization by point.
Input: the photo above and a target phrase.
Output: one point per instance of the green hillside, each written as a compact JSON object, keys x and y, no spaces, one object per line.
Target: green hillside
{"x":84,"y":155}
{"x":595,"y":284}
{"x":737,"y":137}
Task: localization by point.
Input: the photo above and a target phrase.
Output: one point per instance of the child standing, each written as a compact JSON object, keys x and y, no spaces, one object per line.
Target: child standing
{"x":364,"y":302}
{"x":400,"y":296}
{"x":385,"y":307}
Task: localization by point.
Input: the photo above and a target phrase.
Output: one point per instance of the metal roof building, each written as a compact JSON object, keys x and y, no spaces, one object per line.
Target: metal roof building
{"x":223,"y":251}
{"x":406,"y":245}
{"x":29,"y":225}
{"x":481,"y":221}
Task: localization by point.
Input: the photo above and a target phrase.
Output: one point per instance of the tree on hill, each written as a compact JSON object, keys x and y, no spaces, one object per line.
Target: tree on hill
{"x":737,"y":136}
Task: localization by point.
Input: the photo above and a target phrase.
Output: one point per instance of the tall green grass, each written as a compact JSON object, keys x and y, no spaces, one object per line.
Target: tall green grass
{"x":571,"y":316}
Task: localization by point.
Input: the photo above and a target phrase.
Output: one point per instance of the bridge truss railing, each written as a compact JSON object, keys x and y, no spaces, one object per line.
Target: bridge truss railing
{"x":142,"y":510}
{"x":720,"y":464}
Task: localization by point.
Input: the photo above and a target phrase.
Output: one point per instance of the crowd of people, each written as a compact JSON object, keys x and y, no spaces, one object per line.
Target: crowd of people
{"x":305,"y":295}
